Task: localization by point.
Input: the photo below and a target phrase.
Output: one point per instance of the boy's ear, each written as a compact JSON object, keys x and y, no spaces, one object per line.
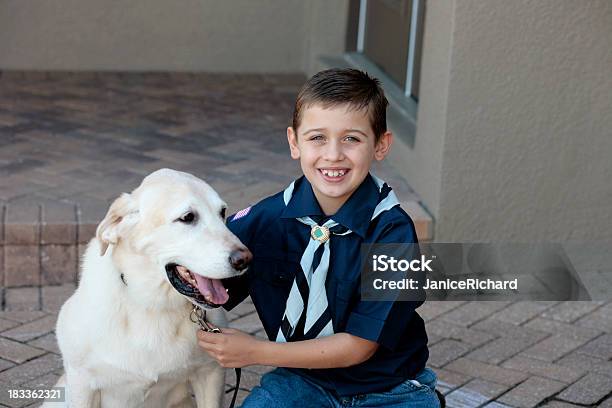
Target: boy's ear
{"x":293,"y":146}
{"x":383,"y":146}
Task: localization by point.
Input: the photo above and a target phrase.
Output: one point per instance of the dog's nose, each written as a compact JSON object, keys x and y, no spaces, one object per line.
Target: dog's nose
{"x":240,"y":258}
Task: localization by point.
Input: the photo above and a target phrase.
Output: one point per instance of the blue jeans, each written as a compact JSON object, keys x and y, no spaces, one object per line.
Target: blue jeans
{"x":281,"y":388}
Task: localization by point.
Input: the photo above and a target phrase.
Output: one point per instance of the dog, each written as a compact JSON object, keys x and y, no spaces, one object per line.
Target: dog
{"x":125,"y":335}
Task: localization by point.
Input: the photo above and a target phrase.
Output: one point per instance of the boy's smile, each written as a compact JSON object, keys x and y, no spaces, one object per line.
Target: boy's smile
{"x":336,"y":146}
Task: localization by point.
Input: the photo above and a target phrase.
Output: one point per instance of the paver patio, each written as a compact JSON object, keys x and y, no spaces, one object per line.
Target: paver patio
{"x":71,"y":142}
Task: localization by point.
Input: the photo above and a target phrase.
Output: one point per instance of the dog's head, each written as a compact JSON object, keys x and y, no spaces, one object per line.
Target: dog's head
{"x":174,"y":223}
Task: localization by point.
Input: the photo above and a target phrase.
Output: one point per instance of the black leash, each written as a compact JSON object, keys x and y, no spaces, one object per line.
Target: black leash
{"x":199,"y":316}
{"x":441,"y":399}
{"x":238,"y":372}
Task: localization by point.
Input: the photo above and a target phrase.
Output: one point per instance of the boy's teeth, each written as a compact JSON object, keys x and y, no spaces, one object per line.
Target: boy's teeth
{"x":334,"y":173}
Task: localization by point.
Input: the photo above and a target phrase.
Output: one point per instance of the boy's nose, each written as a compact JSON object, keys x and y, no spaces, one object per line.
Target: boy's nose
{"x":333,"y":152}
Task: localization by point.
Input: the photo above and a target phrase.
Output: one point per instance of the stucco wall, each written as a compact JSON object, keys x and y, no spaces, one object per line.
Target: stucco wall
{"x":527,"y":121}
{"x":190,"y":35}
{"x":421,"y":164}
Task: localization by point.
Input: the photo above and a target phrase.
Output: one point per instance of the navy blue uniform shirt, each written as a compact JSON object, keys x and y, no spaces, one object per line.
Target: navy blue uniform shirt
{"x":277,"y":240}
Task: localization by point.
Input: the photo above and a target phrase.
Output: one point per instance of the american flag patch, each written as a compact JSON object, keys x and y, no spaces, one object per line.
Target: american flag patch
{"x":241,"y":213}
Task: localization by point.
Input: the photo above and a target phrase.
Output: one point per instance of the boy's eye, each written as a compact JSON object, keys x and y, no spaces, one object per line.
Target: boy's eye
{"x":317,"y":137}
{"x":352,"y":139}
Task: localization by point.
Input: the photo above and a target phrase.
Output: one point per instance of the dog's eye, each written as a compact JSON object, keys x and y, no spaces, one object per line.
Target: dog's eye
{"x":188,"y":218}
{"x":222,"y":213}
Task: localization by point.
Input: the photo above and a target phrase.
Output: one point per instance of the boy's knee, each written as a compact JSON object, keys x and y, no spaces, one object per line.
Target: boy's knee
{"x":260,"y":397}
{"x":269,"y":393}
{"x":282,"y":389}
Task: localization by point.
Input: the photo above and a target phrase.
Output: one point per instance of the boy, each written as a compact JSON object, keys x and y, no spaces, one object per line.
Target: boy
{"x":334,"y":349}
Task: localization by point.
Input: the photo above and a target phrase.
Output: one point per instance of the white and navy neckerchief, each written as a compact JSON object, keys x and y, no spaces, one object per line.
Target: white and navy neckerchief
{"x":309,"y":287}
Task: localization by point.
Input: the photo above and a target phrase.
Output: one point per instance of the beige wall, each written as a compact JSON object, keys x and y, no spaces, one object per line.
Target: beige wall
{"x":188,"y":35}
{"x":422,"y":164}
{"x":515,"y":120}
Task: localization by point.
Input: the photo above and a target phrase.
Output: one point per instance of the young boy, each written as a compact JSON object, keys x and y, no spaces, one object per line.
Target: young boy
{"x":334,"y":348}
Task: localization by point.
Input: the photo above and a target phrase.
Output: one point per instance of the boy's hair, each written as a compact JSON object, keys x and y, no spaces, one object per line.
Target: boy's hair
{"x":337,"y":86}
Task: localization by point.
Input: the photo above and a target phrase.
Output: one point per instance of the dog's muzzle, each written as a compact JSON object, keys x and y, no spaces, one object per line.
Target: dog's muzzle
{"x":206,"y":292}
{"x":187,"y":289}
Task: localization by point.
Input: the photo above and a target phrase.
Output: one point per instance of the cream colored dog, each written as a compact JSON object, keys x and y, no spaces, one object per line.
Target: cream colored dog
{"x":125,"y":334}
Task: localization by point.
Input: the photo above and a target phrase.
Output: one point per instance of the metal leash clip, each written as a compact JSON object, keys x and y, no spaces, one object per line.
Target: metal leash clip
{"x":198,"y":316}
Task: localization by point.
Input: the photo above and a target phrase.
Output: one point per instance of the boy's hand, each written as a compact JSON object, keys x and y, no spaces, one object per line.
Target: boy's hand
{"x":232,"y":348}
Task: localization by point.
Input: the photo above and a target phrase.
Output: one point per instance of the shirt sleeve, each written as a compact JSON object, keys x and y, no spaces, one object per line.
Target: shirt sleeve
{"x":385,"y":322}
{"x":242,"y":224}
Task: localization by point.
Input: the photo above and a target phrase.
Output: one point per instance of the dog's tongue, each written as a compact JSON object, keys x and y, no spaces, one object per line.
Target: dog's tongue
{"x":212,"y":289}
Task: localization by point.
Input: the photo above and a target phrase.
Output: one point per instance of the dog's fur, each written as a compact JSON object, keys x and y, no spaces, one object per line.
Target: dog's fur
{"x":125,"y":334}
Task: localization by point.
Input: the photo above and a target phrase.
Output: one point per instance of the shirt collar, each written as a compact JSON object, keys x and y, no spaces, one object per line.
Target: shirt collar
{"x":303,"y":201}
{"x":355,"y":213}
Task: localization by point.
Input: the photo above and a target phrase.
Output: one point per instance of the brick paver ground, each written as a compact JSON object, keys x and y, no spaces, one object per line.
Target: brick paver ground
{"x":69,"y":143}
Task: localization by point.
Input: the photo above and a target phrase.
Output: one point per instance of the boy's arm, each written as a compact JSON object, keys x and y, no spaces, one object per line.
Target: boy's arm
{"x":337,"y":350}
{"x":234,"y":348}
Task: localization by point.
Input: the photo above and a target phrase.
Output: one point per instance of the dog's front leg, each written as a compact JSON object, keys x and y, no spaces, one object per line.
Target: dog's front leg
{"x":208,"y":383}
{"x":124,"y":397}
{"x":79,"y":393}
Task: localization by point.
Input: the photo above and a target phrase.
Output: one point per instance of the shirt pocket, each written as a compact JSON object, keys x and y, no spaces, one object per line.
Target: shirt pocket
{"x":342,"y":303}
{"x":271,"y":280}
{"x":277,"y":269}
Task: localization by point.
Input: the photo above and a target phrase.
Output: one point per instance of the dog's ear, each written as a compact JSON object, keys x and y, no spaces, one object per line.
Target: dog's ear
{"x":118,"y":217}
